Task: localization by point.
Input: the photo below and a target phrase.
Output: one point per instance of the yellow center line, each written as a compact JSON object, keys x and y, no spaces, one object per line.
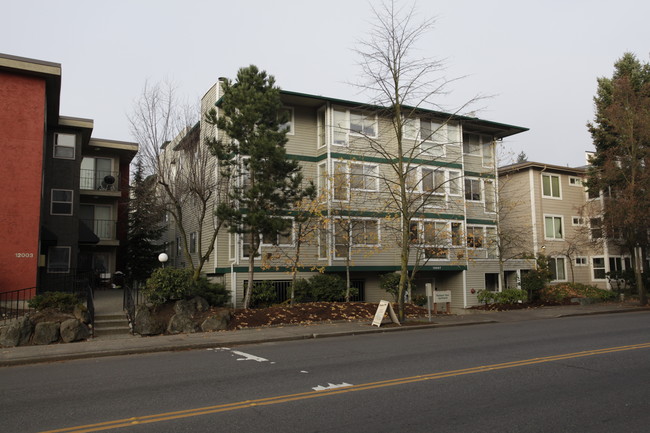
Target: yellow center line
{"x":167,"y":416}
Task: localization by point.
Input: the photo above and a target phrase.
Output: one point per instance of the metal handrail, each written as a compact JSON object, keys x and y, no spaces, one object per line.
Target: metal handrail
{"x":13,"y":304}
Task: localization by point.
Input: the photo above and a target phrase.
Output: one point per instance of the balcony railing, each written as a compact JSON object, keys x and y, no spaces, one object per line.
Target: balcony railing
{"x":103,"y":229}
{"x":98,"y":180}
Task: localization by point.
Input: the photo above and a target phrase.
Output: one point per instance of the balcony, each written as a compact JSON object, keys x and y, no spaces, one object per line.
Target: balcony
{"x":105,"y":230}
{"x":98,"y":180}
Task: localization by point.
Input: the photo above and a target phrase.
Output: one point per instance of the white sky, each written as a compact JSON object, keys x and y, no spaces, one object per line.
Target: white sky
{"x":540,"y":59}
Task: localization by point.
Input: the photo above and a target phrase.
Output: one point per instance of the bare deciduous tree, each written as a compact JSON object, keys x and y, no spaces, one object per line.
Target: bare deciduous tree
{"x":170,"y":139}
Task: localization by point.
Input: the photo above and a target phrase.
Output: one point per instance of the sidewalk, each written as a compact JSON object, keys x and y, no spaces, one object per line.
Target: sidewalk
{"x":128,"y":345}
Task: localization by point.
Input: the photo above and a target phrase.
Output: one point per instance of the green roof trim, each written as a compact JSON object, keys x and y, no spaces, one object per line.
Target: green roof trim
{"x":483,"y":175}
{"x":362,"y":158}
{"x":482,"y":222}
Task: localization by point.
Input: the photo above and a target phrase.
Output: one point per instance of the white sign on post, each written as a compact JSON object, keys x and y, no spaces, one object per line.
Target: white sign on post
{"x":441,"y":296}
{"x":381,"y":311}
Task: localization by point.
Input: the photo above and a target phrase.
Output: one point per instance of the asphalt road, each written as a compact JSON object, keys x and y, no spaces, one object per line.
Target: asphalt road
{"x":580,"y":374}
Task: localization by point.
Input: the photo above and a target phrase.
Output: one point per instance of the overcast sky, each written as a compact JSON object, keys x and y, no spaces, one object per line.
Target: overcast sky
{"x":539,"y":59}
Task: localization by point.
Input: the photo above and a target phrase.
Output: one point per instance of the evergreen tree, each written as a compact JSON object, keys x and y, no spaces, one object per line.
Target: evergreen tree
{"x":265,"y":182}
{"x":145,"y":228}
{"x":620,"y":167}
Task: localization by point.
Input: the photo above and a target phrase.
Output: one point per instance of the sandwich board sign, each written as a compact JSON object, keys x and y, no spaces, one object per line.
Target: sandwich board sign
{"x":381,"y":310}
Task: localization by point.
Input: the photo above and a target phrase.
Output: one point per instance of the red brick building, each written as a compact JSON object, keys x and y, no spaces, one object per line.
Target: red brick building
{"x":65,"y":192}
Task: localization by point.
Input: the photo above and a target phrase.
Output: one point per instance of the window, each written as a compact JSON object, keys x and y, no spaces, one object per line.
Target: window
{"x":323,"y":245}
{"x":471,"y":144}
{"x":433,"y":183}
{"x":284,"y":238}
{"x":490,"y":196}
{"x":365,"y":232}
{"x":179,"y":250}
{"x":322,"y":181}
{"x":288,"y":125}
{"x":58,"y":260}
{"x":475,"y":237}
{"x":492,"y":282}
{"x":454,"y":182}
{"x":364,"y":177}
{"x":61,"y":203}
{"x":320,"y":120}
{"x":432,"y":135}
{"x":551,"y":186}
{"x":577,"y":221}
{"x":341,"y":182}
{"x":348,"y":123}
{"x":97,"y":174}
{"x":354,"y":233}
{"x":596,"y":228}
{"x":457,"y":234}
{"x":557,"y":268}
{"x":553,"y":227}
{"x":433,"y":236}
{"x":472,"y":189}
{"x":581,"y":261}
{"x":193,"y":242}
{"x":575,"y":181}
{"x":64,"y":145}
{"x":598,"y":267}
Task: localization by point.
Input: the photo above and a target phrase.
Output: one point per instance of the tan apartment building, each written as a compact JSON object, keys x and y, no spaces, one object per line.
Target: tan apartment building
{"x":552,"y":213}
{"x":344,"y":148}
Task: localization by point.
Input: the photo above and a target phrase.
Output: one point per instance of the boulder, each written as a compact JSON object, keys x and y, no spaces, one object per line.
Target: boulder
{"x":216,"y":322}
{"x":46,"y":333}
{"x":182,"y":323}
{"x":17,"y":333}
{"x":200,"y":304}
{"x":146,"y":323}
{"x":191,"y":306}
{"x":81,"y":312}
{"x":74,"y":330}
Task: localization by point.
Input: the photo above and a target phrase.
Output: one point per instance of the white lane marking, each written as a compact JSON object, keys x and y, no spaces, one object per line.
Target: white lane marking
{"x":245,"y":356}
{"x":303,"y":371}
{"x":331,"y":386}
{"x":248,"y":357}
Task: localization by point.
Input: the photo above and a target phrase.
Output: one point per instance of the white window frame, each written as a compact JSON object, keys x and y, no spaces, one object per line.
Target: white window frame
{"x":193,"y":243}
{"x":575,"y":181}
{"x":581,"y":261}
{"x":594,"y":268}
{"x":488,"y":239}
{"x":472,"y":149}
{"x":562,"y":231}
{"x":577,"y":221}
{"x":446,"y":240}
{"x":56,"y":270}
{"x":559,"y":186}
{"x":439,"y":190}
{"x":70,"y":203}
{"x":290,"y":125}
{"x":60,"y":143}
{"x":492,"y":195}
{"x":345,"y":127}
{"x":366,"y":177}
{"x":351,"y":243}
{"x":480,"y":187}
{"x":435,"y":141}
{"x":591,"y":229}
{"x":554,"y":259}
{"x":341,"y":173}
{"x":321,"y":127}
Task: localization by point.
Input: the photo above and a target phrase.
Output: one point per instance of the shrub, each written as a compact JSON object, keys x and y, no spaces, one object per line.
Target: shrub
{"x":390,"y":283}
{"x":420,"y":300}
{"x":536,"y":279}
{"x":173,"y":284}
{"x":264,"y":294}
{"x":62,"y":301}
{"x":328,"y":288}
{"x":561,"y":292}
{"x":511,"y":296}
{"x":485,"y":296}
{"x":302,"y":291}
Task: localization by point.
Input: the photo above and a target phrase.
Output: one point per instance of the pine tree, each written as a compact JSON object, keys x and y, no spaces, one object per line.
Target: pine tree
{"x":265,"y":182}
{"x":620,"y":167}
{"x":145,"y":226}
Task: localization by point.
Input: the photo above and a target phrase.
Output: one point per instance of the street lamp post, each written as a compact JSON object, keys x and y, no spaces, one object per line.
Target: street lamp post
{"x":162,"y":258}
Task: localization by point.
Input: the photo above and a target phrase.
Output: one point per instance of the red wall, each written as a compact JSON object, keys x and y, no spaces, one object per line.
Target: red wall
{"x":22,"y":124}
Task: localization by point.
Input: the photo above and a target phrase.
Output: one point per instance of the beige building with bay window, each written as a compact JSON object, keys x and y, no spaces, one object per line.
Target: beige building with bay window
{"x":347,"y":149}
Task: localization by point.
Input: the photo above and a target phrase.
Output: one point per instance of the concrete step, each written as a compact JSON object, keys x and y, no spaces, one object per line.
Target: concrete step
{"x":111,"y":324}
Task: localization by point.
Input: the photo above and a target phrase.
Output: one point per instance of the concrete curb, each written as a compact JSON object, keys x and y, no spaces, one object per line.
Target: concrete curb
{"x":80,"y":351}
